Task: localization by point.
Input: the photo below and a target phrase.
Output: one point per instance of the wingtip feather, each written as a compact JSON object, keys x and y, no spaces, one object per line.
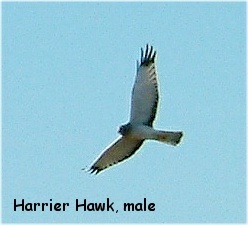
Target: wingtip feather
{"x":149,"y":56}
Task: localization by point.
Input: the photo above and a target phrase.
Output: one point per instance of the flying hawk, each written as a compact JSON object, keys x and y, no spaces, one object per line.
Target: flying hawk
{"x":143,"y":111}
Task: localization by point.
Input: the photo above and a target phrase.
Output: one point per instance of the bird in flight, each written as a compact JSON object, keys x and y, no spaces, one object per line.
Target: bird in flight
{"x":144,"y":104}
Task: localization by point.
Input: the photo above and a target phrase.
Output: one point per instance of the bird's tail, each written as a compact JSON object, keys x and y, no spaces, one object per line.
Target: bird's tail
{"x":170,"y":137}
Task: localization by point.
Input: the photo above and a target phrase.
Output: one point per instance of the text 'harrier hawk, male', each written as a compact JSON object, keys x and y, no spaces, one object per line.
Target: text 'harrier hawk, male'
{"x":143,"y":111}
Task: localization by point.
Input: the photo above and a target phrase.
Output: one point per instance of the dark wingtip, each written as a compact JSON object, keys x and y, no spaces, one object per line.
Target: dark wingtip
{"x":142,"y":54}
{"x":94,"y":170}
{"x":147,"y":48}
{"x":90,"y":170}
{"x":149,"y":56}
{"x":154,"y":55}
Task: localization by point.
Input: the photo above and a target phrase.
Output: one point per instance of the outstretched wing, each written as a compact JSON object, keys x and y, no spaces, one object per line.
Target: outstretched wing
{"x":122,"y":149}
{"x":145,"y":90}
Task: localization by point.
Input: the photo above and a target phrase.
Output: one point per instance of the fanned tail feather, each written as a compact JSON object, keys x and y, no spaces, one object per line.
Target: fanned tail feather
{"x":170,"y":137}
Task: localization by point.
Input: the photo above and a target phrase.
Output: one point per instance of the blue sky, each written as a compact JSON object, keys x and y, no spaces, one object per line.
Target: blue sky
{"x":67,"y":75}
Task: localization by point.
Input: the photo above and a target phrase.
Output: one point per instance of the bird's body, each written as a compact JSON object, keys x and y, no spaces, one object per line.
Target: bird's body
{"x":144,"y":102}
{"x":144,"y":132}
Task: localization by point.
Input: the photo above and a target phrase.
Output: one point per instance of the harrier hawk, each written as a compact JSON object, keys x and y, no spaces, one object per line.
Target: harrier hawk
{"x":143,"y":111}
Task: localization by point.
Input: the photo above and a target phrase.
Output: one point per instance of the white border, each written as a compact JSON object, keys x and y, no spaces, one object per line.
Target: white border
{"x":124,"y":2}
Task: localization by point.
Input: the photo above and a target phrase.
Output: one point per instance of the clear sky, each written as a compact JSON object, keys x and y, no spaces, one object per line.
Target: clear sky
{"x":67,"y":76}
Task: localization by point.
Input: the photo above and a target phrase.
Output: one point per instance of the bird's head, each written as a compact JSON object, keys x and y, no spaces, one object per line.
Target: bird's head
{"x":124,"y":129}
